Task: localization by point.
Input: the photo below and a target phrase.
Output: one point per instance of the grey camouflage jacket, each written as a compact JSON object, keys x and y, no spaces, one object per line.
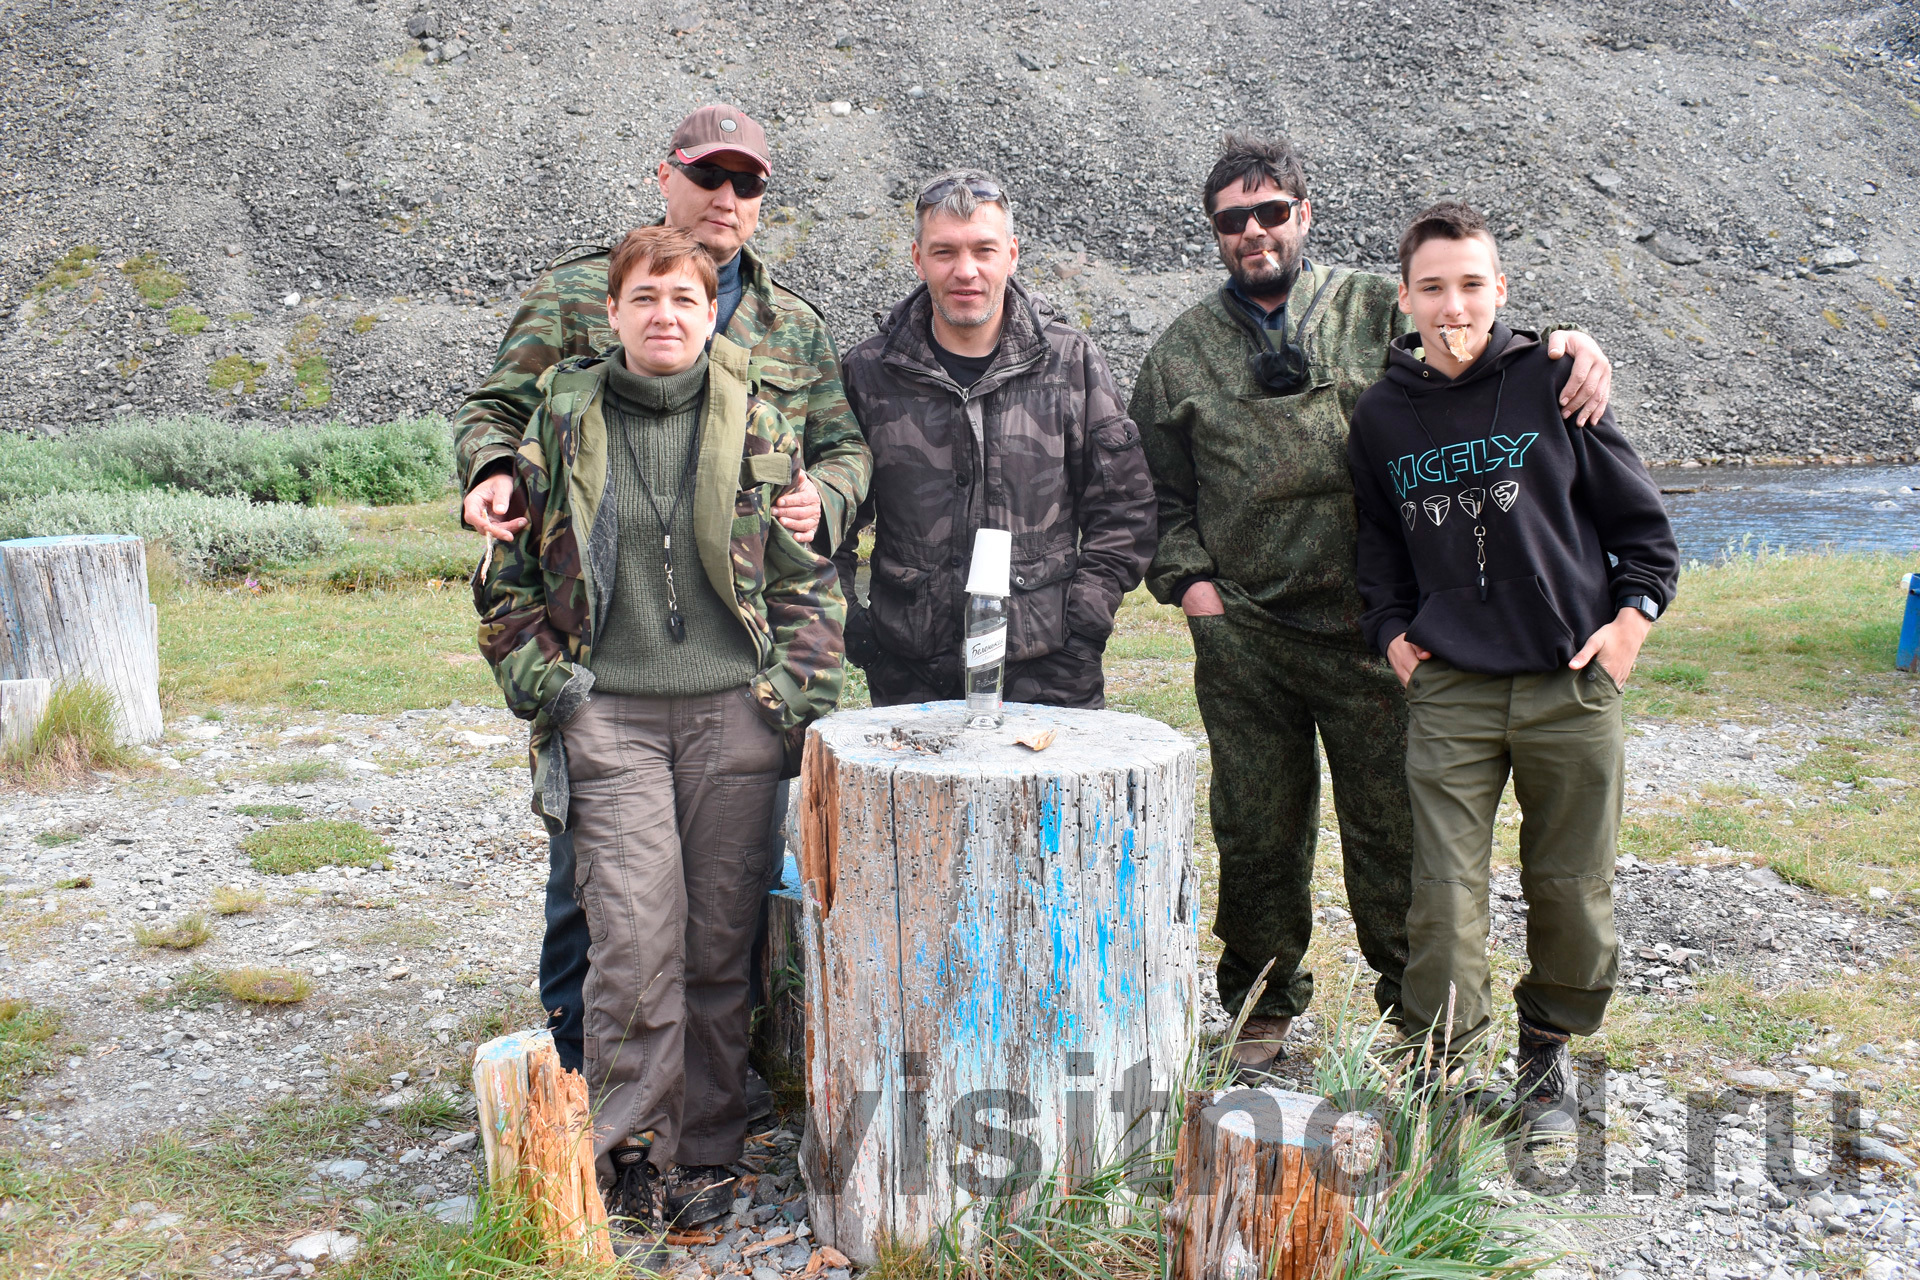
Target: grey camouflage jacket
{"x":1040,"y":446}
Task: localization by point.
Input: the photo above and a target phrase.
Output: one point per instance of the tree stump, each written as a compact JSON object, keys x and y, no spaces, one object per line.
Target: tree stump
{"x":779,"y":1031}
{"x":538,"y":1132}
{"x":1264,"y":1180}
{"x":23,"y":704}
{"x":75,"y":608}
{"x":1000,"y":951}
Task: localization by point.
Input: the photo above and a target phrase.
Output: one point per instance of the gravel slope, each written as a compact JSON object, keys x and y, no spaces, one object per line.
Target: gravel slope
{"x":1723,"y":193}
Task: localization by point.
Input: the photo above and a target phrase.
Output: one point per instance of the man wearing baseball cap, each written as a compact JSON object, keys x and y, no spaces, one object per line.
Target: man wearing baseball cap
{"x":713,"y":179}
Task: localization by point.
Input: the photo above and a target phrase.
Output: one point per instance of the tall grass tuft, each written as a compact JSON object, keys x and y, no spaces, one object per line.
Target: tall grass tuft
{"x":1435,"y":1210}
{"x":503,"y":1242}
{"x":75,"y":737}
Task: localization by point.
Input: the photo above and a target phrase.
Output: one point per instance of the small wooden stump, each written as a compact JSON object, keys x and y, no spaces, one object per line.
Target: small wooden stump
{"x":1264,"y":1181}
{"x":75,"y":608}
{"x":1000,"y":956}
{"x":538,"y":1132}
{"x":23,"y":704}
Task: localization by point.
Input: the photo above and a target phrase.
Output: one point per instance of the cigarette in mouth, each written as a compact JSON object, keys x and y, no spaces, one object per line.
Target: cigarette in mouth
{"x":1271,"y":260}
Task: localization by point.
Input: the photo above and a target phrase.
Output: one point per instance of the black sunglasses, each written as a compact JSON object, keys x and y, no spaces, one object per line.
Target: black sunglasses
{"x":708,"y":177}
{"x":941,"y":190}
{"x":1269,"y":213}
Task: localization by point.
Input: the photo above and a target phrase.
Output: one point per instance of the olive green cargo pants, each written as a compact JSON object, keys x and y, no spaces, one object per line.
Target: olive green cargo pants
{"x":1262,"y":693}
{"x":1559,"y":735}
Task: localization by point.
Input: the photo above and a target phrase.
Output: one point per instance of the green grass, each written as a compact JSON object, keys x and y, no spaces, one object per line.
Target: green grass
{"x":187,"y":321}
{"x":58,"y":836}
{"x":182,"y":935}
{"x":228,"y":901}
{"x":278,"y":812}
{"x":26,"y":1043}
{"x":294,"y":772}
{"x":78,"y":263}
{"x":306,"y":846}
{"x":232,"y":372}
{"x":201,"y":986}
{"x":156,"y":284}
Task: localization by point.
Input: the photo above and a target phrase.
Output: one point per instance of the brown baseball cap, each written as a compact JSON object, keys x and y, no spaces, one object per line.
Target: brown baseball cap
{"x":712,"y":130}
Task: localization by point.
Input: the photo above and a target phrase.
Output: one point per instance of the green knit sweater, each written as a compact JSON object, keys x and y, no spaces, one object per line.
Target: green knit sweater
{"x":651,"y":424}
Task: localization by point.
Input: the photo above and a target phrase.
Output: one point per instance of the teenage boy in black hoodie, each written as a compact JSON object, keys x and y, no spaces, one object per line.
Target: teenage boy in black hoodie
{"x":1511,"y":565}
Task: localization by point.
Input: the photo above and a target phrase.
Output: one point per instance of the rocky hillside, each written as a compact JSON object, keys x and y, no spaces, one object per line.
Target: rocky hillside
{"x":269,"y":209}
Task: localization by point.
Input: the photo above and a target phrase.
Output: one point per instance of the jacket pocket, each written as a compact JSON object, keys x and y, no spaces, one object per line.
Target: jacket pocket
{"x":1514,"y":630}
{"x":1037,"y":613}
{"x":905,"y":611}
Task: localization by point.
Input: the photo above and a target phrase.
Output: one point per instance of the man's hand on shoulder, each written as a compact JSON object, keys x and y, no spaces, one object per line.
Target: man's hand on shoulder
{"x":1201,"y":600}
{"x":489,"y":500}
{"x":1591,"y":384}
{"x":799,"y":509}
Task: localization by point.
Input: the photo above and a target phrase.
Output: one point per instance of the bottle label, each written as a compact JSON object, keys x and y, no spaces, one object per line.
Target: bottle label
{"x":987,"y":649}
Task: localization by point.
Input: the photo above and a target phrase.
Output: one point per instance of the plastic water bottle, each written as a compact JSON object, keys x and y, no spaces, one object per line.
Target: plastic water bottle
{"x":985,"y":641}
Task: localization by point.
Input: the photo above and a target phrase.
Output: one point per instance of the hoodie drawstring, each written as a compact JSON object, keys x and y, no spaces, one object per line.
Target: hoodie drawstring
{"x":1479,"y":530}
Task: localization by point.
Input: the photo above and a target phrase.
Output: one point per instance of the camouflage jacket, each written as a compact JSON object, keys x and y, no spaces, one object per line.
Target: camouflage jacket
{"x":1040,"y":446}
{"x":544,"y":592}
{"x":793,"y":367}
{"x":1253,"y":488}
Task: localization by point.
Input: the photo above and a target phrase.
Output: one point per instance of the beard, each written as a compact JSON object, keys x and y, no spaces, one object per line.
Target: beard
{"x":1264,"y":280}
{"x":960,"y":321}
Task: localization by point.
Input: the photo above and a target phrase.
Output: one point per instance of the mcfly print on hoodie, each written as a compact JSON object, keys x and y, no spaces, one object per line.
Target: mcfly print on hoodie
{"x":1491,"y":532}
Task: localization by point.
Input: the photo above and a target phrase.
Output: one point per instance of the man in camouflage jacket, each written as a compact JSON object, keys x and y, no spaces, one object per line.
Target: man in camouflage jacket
{"x":792,"y":366}
{"x":1257,"y":545}
{"x":1035,"y":441}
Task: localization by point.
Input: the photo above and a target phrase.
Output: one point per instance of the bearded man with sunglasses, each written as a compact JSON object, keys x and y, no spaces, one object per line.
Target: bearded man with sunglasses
{"x":713,"y":180}
{"x":986,"y":410}
{"x":1243,"y":405}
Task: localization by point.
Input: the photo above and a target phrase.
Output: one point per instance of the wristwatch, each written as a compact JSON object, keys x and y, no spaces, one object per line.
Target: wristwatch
{"x":1645,"y":604}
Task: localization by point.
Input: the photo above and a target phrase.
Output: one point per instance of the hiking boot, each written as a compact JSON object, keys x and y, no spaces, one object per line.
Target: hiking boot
{"x":1543,"y":1097}
{"x":699,"y":1193}
{"x":1257,"y":1050}
{"x":633,"y":1199}
{"x":759,"y":1097}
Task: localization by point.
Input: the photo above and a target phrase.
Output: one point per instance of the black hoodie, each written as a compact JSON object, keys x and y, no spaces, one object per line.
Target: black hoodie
{"x":1446,"y":468}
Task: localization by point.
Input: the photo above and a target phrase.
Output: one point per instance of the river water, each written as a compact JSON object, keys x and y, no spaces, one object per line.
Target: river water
{"x":1715,"y":509}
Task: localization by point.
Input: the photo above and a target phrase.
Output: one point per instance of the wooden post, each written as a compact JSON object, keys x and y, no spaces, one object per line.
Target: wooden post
{"x":1264,"y":1180}
{"x":75,"y":608}
{"x":23,"y":704}
{"x":538,"y":1133}
{"x":1000,"y":957}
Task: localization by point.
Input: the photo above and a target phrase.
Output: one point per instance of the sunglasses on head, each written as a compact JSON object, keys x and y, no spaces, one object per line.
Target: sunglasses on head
{"x":941,"y":190}
{"x":1269,"y":213}
{"x":709,"y":177}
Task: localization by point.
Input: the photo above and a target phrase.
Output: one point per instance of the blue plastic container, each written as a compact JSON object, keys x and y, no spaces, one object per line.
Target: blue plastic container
{"x":1908,"y":658}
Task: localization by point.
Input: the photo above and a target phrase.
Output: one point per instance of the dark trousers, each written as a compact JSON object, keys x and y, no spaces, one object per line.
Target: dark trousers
{"x":1069,"y":677}
{"x":1263,"y":693}
{"x":563,"y":951}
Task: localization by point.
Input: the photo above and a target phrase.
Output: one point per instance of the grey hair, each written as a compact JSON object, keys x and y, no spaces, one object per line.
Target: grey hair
{"x":960,"y":202}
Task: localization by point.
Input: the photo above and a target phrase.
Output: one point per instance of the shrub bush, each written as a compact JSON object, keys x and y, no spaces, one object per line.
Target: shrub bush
{"x":391,"y":462}
{"x":380,"y":465}
{"x":208,"y":536}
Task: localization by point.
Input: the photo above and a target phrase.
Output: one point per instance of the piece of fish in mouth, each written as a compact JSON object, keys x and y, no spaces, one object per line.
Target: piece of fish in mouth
{"x":1457,"y":338}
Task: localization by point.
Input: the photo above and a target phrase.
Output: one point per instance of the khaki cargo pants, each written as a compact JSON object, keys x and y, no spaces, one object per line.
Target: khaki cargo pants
{"x":671,"y":800}
{"x":1559,"y":735}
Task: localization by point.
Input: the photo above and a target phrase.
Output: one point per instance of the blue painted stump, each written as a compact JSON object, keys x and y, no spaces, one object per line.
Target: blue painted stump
{"x":999,"y":948}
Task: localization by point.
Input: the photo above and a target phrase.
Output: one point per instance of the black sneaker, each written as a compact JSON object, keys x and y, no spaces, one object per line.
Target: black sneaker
{"x":633,"y":1201}
{"x":1543,"y":1095}
{"x":699,"y":1193}
{"x":759,"y":1097}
